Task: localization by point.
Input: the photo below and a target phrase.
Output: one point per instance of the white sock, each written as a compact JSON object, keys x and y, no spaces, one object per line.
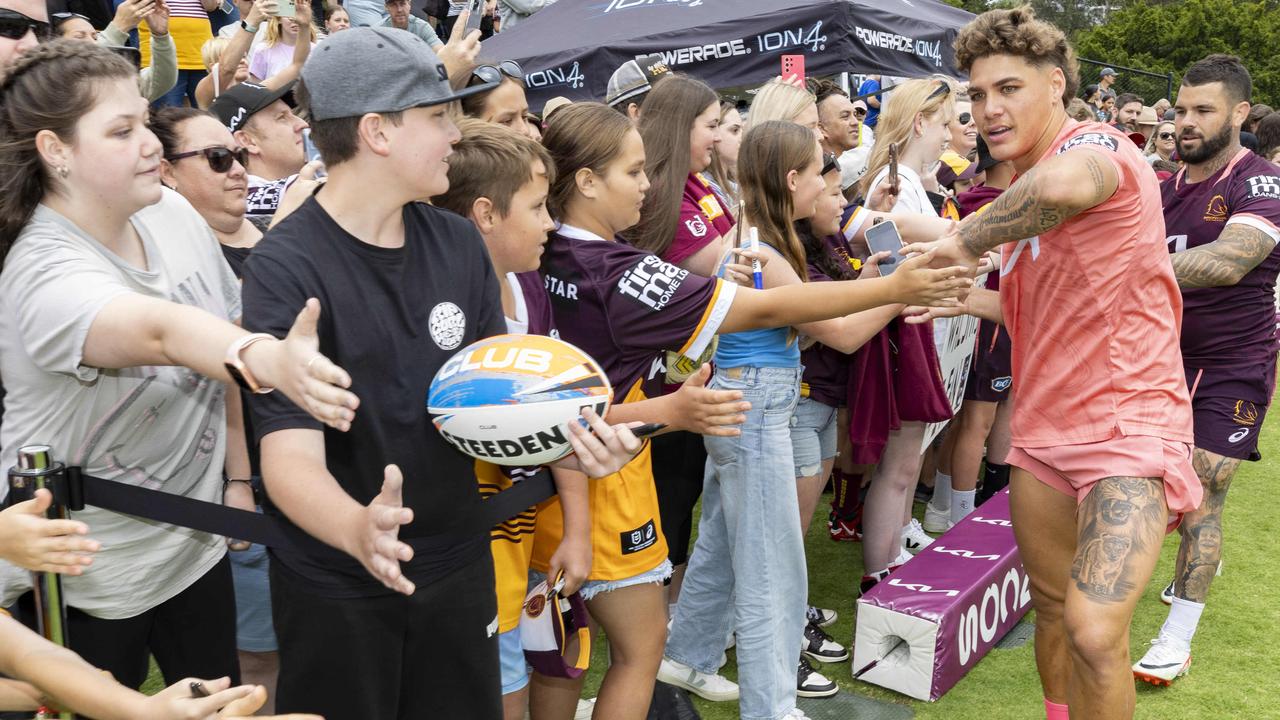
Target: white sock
{"x":961,"y":504}
{"x":1183,"y":618}
{"x":941,"y":499}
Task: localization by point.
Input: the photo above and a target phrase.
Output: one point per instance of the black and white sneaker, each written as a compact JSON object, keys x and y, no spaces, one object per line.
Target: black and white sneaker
{"x":822,"y":617}
{"x":811,"y":684}
{"x":819,"y":646}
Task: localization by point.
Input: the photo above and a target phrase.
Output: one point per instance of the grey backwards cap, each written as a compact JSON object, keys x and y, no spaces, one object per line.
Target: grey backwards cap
{"x":376,"y":69}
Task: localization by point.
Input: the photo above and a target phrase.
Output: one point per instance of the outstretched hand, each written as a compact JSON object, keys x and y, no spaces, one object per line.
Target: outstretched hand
{"x":377,"y":544}
{"x":30,"y":540}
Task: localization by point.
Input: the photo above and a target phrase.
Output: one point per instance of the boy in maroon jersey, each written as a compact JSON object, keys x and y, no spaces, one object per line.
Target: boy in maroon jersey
{"x":1221,"y":217}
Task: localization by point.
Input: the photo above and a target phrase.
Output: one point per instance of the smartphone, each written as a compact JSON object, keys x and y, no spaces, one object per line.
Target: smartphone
{"x":884,"y":237}
{"x":476,"y":8}
{"x":288,"y":9}
{"x":793,"y":65}
{"x":893,"y":166}
{"x":311,"y":151}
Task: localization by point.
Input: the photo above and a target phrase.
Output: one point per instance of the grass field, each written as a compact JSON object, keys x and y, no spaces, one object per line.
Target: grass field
{"x":1236,"y":652}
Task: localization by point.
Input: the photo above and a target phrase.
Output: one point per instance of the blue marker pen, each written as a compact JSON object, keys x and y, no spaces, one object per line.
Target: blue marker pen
{"x":757,"y":277}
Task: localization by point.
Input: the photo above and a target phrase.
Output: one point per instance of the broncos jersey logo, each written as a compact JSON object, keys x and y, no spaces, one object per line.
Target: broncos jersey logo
{"x":1217,"y":210}
{"x":1246,"y":413}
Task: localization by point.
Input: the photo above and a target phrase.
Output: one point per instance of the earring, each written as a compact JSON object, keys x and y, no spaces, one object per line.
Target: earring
{"x":63,"y":171}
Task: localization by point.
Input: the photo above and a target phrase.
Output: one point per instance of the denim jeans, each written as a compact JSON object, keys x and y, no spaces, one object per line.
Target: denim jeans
{"x":185,"y":88}
{"x":747,"y":572}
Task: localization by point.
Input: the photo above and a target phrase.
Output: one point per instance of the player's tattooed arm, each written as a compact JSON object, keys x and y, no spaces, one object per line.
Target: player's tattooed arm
{"x":1124,"y":519}
{"x":1044,"y":197}
{"x":1238,"y":249}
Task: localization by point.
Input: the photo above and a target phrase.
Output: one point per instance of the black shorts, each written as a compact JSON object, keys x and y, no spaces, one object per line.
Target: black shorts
{"x":393,"y":657}
{"x":1229,"y":405}
{"x":991,"y":372}
{"x":679,"y":463}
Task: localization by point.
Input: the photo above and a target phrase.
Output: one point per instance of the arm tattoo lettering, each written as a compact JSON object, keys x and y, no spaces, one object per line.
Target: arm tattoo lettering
{"x":1125,"y":517}
{"x":1238,"y":249}
{"x":1025,"y":210}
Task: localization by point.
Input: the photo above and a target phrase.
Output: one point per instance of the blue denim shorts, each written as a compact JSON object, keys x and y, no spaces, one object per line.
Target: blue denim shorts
{"x":813,"y":436}
{"x":515,"y":671}
{"x":592,"y":588}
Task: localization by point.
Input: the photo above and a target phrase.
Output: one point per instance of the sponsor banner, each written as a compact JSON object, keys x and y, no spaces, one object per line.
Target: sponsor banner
{"x":954,"y":358}
{"x":571,"y":48}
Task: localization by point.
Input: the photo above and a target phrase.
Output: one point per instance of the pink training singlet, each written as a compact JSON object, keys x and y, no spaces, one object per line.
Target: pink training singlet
{"x":1094,"y":312}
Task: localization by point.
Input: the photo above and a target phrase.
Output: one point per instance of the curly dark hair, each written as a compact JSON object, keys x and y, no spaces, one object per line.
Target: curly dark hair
{"x":1019,"y":33}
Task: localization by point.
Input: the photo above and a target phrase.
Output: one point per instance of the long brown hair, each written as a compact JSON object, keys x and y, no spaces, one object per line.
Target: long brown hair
{"x":770,"y":151}
{"x":50,"y":87}
{"x":665,"y":124}
{"x":585,"y":135}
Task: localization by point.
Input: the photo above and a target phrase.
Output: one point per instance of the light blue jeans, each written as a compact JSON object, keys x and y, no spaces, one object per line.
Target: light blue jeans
{"x":747,"y":571}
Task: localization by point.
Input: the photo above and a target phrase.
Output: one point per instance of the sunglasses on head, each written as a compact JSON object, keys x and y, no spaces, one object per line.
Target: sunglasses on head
{"x":830,"y":163}
{"x":1166,"y":136}
{"x":944,"y":89}
{"x":494,"y":73}
{"x":15,"y":26}
{"x":218,"y":156}
{"x":61,"y":17}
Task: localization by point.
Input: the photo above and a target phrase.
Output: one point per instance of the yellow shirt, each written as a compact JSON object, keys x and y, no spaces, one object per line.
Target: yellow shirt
{"x":626,"y":532}
{"x":190,"y":28}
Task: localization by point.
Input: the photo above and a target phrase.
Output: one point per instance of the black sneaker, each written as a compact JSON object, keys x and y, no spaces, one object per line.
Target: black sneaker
{"x":822,"y":617}
{"x":811,"y":684}
{"x":819,"y":646}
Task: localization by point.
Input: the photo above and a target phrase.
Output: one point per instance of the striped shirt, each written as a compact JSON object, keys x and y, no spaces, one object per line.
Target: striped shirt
{"x":190,"y":28}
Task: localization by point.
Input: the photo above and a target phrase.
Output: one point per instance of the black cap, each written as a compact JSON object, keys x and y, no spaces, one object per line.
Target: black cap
{"x":238,"y":103}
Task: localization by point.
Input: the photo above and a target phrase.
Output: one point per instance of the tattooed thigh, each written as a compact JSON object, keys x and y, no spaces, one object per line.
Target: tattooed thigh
{"x":1120,"y":521}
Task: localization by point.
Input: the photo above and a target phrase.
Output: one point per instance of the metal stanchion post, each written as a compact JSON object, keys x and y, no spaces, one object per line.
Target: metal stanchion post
{"x":36,"y":470}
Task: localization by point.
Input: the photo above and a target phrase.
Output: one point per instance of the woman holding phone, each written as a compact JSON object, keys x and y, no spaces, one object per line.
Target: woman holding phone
{"x":914,"y":124}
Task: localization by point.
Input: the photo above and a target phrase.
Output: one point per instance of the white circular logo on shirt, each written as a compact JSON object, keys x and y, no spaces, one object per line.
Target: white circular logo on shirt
{"x":447,"y":324}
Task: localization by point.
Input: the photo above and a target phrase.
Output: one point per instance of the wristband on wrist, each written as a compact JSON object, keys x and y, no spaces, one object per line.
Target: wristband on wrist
{"x":248,"y":28}
{"x":238,"y":370}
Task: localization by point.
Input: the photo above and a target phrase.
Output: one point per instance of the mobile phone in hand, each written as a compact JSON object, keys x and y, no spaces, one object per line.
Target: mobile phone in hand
{"x":287,"y":9}
{"x":476,"y":8}
{"x":893,"y":167}
{"x":884,"y":237}
{"x":793,"y":65}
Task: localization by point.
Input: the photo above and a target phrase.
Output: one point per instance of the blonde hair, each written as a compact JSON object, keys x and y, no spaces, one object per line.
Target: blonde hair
{"x":211,"y":51}
{"x":273,"y":35}
{"x":778,"y":100}
{"x":898,"y":118}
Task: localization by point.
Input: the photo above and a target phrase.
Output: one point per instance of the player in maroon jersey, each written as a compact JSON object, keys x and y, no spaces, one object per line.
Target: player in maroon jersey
{"x":1221,"y":212}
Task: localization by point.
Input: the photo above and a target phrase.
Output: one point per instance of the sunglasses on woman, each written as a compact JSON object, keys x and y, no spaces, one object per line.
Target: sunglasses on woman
{"x":219,"y":157}
{"x":494,"y":73}
{"x":964,"y":118}
{"x":860,"y":112}
{"x":1166,"y":136}
{"x":15,"y":26}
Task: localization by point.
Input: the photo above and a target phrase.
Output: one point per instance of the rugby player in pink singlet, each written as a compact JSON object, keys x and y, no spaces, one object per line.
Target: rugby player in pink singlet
{"x":1221,"y":216}
{"x":1102,"y":426}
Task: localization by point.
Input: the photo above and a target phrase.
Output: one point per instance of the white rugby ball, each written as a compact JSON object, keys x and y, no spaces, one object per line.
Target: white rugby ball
{"x":508,"y":399}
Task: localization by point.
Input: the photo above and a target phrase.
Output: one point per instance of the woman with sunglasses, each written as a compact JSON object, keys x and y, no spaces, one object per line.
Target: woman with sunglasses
{"x":1162,"y":143}
{"x":204,"y":164}
{"x":915,"y":118}
{"x":116,"y":306}
{"x":23,"y":25}
{"x":505,"y":104}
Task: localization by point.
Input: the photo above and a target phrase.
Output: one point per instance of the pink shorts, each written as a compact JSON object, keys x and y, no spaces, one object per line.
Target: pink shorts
{"x":1074,"y":469}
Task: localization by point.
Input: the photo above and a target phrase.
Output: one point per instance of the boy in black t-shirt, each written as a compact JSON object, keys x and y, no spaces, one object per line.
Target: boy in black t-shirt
{"x":404,"y":286}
